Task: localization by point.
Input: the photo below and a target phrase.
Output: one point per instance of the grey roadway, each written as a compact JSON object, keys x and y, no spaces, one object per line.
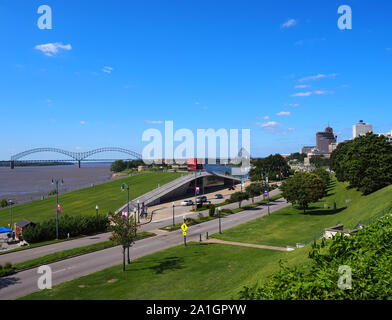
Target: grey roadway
{"x":25,"y":282}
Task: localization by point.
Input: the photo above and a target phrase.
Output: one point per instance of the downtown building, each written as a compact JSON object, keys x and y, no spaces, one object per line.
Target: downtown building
{"x":325,"y":139}
{"x":361,"y":129}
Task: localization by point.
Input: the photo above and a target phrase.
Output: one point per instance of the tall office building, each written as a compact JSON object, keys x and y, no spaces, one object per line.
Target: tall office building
{"x":324,"y":139}
{"x":361,"y":129}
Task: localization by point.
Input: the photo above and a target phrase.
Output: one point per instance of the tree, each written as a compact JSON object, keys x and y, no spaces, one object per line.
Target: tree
{"x":319,"y":161}
{"x":303,"y":188}
{"x":123,"y":232}
{"x":253,"y":190}
{"x":324,"y":175}
{"x":238,"y":197}
{"x":3,"y":203}
{"x":118,"y":166}
{"x":365,"y":162}
{"x":270,"y":166}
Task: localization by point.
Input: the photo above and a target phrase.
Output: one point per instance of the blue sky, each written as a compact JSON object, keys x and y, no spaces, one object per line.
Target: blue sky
{"x":122,"y":67}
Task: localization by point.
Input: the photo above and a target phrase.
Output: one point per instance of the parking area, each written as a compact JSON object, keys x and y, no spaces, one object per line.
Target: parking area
{"x":165,"y":210}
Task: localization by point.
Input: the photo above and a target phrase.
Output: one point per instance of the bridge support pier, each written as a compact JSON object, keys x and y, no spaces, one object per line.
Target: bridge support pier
{"x":79,"y":163}
{"x":12,"y":164}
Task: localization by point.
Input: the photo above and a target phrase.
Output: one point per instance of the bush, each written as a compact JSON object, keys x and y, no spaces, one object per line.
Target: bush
{"x":211,"y":210}
{"x":74,"y":225}
{"x":6,"y":270}
{"x":3,"y":203}
{"x":52,"y":192}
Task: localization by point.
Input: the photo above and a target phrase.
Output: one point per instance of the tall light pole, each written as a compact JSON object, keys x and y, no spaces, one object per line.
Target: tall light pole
{"x":219,"y":214}
{"x":123,"y":186}
{"x":57,"y":181}
{"x":138,"y":211}
{"x":10,"y":202}
{"x":96,"y":212}
{"x":173,"y":212}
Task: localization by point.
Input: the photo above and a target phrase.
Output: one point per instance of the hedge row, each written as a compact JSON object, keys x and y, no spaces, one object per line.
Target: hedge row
{"x":74,"y":225}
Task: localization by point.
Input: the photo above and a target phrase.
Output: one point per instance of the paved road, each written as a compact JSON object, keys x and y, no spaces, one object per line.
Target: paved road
{"x":25,"y":282}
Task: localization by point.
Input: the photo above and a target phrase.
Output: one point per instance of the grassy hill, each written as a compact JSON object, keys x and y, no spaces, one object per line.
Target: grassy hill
{"x":107,"y":196}
{"x":290,"y":225}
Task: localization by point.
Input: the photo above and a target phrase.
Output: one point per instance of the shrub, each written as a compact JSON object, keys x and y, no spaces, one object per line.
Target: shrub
{"x":74,"y":225}
{"x":52,"y":192}
{"x":3,"y":203}
{"x":6,"y":270}
{"x":211,"y":210}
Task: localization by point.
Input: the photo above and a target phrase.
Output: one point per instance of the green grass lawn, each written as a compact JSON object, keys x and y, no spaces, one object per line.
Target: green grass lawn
{"x":198,"y":271}
{"x":107,"y":196}
{"x":290,"y":225}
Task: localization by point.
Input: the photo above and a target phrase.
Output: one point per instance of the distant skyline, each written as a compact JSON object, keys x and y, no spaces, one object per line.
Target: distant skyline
{"x":108,"y":71}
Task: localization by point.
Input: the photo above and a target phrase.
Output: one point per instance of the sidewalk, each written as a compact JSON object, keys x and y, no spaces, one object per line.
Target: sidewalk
{"x":261,"y":246}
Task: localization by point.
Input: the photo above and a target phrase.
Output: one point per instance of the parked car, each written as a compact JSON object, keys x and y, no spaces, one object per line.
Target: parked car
{"x":187,"y":203}
{"x":218,"y":196}
{"x":201,"y":199}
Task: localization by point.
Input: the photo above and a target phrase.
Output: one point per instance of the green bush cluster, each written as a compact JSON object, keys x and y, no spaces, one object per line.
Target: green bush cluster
{"x":6,"y":270}
{"x":74,"y":225}
{"x":3,"y":203}
{"x":211,"y":210}
{"x":368,"y":254}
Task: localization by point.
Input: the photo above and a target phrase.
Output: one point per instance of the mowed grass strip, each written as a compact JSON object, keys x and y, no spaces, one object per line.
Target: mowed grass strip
{"x":290,"y":225}
{"x":57,"y":256}
{"x":107,"y":196}
{"x":198,"y":271}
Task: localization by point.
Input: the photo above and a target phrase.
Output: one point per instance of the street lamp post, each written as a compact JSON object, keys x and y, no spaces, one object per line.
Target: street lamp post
{"x":219,"y":214}
{"x":57,"y":181}
{"x":96,"y":212}
{"x":173,"y":212}
{"x":123,"y":186}
{"x":10,"y":202}
{"x":138,"y":211}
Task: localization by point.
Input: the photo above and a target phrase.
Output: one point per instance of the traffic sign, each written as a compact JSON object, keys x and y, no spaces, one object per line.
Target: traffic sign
{"x":184,"y":227}
{"x":184,"y":233}
{"x":265,"y":193}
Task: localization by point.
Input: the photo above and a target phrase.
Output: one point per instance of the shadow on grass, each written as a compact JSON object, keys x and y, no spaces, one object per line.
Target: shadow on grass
{"x":313,"y":211}
{"x":168,"y":263}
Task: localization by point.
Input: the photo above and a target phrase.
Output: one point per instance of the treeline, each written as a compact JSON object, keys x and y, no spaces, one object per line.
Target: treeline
{"x":368,"y":255}
{"x":35,"y":164}
{"x":365,"y":162}
{"x":121,"y":165}
{"x":272,"y":167}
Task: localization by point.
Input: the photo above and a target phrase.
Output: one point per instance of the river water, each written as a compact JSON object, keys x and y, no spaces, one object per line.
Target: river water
{"x":24,"y":184}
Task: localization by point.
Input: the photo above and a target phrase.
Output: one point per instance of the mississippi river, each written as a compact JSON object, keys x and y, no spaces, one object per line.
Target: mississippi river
{"x":25,"y":184}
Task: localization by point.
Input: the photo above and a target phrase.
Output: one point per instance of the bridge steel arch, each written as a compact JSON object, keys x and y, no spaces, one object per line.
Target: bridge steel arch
{"x":77,"y":156}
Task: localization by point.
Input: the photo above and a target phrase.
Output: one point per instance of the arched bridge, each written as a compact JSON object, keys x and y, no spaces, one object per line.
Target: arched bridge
{"x":76,"y":156}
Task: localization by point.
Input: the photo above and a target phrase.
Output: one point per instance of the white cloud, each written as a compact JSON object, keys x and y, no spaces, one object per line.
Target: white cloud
{"x":322,"y":92}
{"x":107,"y":69}
{"x":302,"y":86}
{"x":292,"y":105}
{"x":283,"y":113}
{"x":83,"y":122}
{"x":51,"y":49}
{"x":318,"y":76}
{"x":291,"y":129}
{"x":289,"y":23}
{"x":154,"y":121}
{"x":266,"y":117}
{"x":197,"y":102}
{"x":302,"y":94}
{"x":268,"y":125}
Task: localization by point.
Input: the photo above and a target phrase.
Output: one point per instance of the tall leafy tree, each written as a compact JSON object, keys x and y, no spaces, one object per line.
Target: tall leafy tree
{"x":365,"y":162}
{"x":254,"y":190}
{"x":303,"y":188}
{"x":238,"y":197}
